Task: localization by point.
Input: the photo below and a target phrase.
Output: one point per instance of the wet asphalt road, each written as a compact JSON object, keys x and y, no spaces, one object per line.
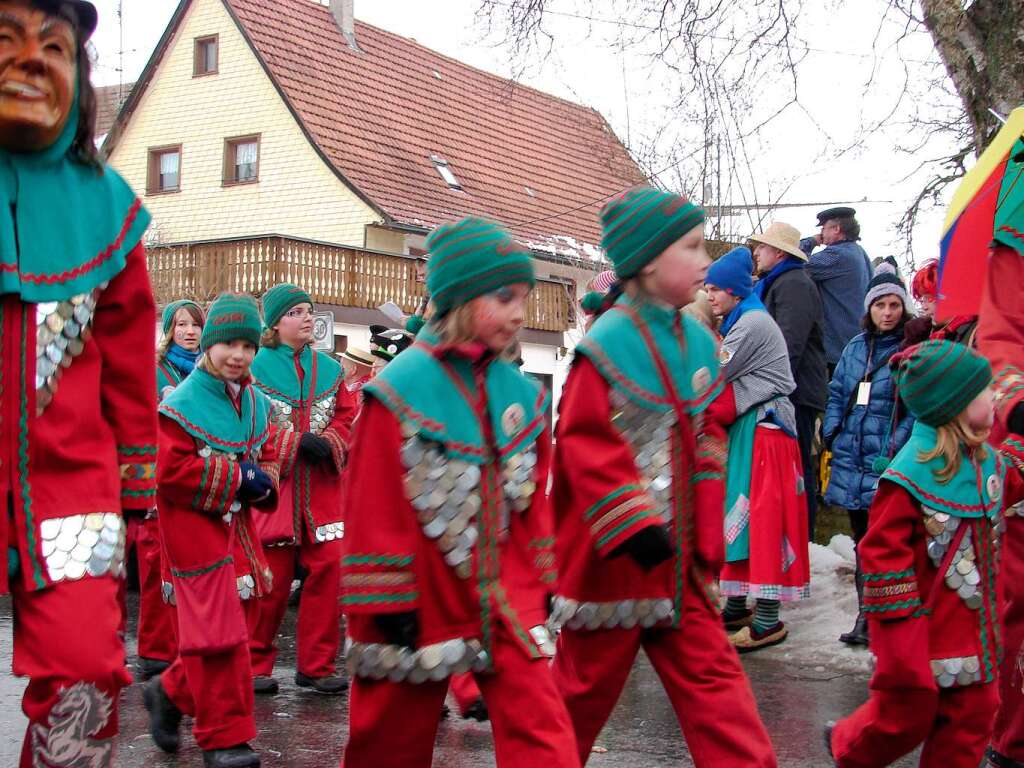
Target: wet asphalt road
{"x":304,"y":729}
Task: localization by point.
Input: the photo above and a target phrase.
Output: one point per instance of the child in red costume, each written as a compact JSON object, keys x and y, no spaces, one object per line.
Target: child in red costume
{"x":638,"y":495}
{"x":1001,"y":339}
{"x":77,"y":386}
{"x":929,"y":564}
{"x":447,"y":553}
{"x":314,"y":410}
{"x":217,"y":462}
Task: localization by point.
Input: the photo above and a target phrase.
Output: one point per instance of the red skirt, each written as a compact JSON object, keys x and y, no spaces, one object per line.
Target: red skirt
{"x":778,"y":566}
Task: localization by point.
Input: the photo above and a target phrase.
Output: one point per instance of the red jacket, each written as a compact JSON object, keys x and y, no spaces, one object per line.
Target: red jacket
{"x":70,"y":464}
{"x":600,"y":500}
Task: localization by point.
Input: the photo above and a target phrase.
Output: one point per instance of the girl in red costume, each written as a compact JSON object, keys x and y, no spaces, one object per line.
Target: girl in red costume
{"x":929,"y":568}
{"x":217,"y":463}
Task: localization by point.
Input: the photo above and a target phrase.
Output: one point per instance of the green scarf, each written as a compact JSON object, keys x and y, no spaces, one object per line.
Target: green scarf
{"x":202,"y":407}
{"x":418,"y":388}
{"x":274,"y":371}
{"x":737,"y":487}
{"x":64,"y":228}
{"x":961,"y":496}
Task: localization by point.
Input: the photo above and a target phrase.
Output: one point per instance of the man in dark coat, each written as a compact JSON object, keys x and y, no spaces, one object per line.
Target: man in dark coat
{"x":792,"y":299}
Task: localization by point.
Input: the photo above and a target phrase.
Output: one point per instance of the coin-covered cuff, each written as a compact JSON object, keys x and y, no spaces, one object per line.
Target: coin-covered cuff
{"x":286,"y":447}
{"x":378,"y":583}
{"x":138,"y":475}
{"x":891,"y":595}
{"x":619,"y":516}
{"x":219,"y":482}
{"x":339,"y":449}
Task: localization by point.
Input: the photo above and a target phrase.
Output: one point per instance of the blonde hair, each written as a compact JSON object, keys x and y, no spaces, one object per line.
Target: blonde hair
{"x":270,"y":338}
{"x":457,"y":327}
{"x":951,"y":442}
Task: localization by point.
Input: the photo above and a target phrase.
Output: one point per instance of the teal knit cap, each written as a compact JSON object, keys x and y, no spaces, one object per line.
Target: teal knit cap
{"x":938,"y":379}
{"x":641,"y":223}
{"x":167,"y":318}
{"x":232,"y":316}
{"x":470,"y":258}
{"x":279,"y":299}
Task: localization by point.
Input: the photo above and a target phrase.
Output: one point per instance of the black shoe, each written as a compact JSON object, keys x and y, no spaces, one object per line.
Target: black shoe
{"x":242,"y":756}
{"x":829,"y":726}
{"x":996,"y":760}
{"x":264,"y":686}
{"x":146,"y":669}
{"x":859,"y":634}
{"x":331,"y":685}
{"x":477,"y":711}
{"x":164,"y":717}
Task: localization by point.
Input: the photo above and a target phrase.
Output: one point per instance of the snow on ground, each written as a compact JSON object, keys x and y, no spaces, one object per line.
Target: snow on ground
{"x":816,"y":623}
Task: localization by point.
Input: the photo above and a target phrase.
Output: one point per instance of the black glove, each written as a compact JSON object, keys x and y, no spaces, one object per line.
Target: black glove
{"x":399,"y":628}
{"x":651,"y":546}
{"x":1015,"y":422}
{"x":256,"y":484}
{"x":136,"y":513}
{"x":314,"y":448}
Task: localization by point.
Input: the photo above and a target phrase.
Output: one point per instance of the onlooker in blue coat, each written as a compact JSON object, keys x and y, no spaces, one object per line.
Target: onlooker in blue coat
{"x":861,"y":419}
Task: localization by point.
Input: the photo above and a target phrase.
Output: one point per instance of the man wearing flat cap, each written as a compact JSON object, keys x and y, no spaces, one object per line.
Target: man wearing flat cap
{"x":842,"y":271}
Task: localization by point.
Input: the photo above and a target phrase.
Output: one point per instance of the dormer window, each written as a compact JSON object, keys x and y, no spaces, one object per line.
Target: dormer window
{"x":446,"y":172}
{"x":205,"y":59}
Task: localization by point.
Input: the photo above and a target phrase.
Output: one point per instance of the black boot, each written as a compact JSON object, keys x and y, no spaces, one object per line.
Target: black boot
{"x":859,"y":634}
{"x":147,"y":669}
{"x":995,"y":760}
{"x":164,"y":717}
{"x":331,"y":685}
{"x":242,"y":756}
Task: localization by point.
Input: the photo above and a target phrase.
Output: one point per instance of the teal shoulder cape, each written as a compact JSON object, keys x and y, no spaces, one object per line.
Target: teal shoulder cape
{"x":418,"y":389}
{"x":201,"y":406}
{"x":166,"y":376}
{"x":616,"y":346}
{"x":65,"y":228}
{"x":972,"y":492}
{"x":274,"y":371}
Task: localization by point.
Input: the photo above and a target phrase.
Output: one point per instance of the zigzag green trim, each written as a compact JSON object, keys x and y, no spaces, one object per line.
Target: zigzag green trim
{"x":889,"y":575}
{"x":696,"y":477}
{"x":388,"y":597}
{"x":138,"y":494}
{"x":225,"y":498}
{"x":920,"y":612}
{"x":140,"y":450}
{"x":198,"y":500}
{"x":371,"y":559}
{"x":613,"y":496}
{"x":205,"y":569}
{"x":911,"y":603}
{"x":26,"y":494}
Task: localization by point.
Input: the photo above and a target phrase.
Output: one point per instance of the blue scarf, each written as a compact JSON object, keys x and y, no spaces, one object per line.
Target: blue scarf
{"x":791,"y":262}
{"x":749,"y":304}
{"x":182,"y":359}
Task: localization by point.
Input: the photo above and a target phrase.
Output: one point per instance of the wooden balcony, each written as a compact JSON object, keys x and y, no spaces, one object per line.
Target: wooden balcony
{"x":334,"y":275}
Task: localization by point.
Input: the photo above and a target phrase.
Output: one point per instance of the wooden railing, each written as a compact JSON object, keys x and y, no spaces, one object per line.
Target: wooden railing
{"x":336,"y":275}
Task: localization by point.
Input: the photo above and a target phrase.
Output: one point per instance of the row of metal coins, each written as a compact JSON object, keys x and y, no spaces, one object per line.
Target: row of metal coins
{"x":62,"y":329}
{"x":330,"y":532}
{"x":962,"y":575}
{"x":91,"y":544}
{"x":627,"y":614}
{"x":400,"y":664}
{"x":956,"y":671}
{"x":320,"y":414}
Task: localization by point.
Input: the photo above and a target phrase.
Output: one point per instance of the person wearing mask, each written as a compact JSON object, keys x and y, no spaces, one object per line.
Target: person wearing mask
{"x":925,"y":288}
{"x":792,"y":299}
{"x":862,"y":425}
{"x":841,"y":270}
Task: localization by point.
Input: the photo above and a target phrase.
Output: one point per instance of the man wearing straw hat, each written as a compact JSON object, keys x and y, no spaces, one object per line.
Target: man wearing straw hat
{"x":793,"y":301}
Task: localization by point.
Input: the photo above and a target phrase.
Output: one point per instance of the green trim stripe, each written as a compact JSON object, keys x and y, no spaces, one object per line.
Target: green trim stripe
{"x":380,"y":597}
{"x":615,"y":495}
{"x":23,"y":470}
{"x":200,"y":571}
{"x":136,"y":450}
{"x":636,"y":517}
{"x":374,"y":559}
{"x":913,"y":602}
{"x":906,"y":574}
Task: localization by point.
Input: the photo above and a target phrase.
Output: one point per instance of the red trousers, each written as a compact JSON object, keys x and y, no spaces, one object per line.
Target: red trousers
{"x":953,"y":723}
{"x":1008,"y":734}
{"x":465,"y":690}
{"x":318,"y":633}
{"x":157,"y":631}
{"x":216,"y":690}
{"x":393,"y":725}
{"x":66,"y":641}
{"x":699,"y":669}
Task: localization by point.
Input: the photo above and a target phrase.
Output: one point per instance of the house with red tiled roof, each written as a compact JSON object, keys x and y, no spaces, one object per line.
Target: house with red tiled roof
{"x":289,"y":119}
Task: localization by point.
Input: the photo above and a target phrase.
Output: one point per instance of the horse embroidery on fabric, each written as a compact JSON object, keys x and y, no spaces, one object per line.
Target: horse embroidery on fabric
{"x":81,"y":711}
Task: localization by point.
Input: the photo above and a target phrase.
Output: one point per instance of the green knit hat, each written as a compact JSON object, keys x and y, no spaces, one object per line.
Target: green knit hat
{"x":232,"y":316}
{"x":938,"y":379}
{"x":281,"y":298}
{"x":172,"y":309}
{"x":470,"y":258}
{"x":641,"y":223}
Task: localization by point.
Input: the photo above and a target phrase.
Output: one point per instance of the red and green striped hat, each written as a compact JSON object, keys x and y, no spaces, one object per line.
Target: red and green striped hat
{"x":939,"y":379}
{"x":470,"y":258}
{"x":643,"y":222}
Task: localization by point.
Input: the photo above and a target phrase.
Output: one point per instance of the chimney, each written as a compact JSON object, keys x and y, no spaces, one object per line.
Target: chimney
{"x":344,"y":16}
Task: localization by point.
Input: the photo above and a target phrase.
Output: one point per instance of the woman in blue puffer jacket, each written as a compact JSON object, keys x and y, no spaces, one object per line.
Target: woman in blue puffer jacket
{"x":861,"y":421}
